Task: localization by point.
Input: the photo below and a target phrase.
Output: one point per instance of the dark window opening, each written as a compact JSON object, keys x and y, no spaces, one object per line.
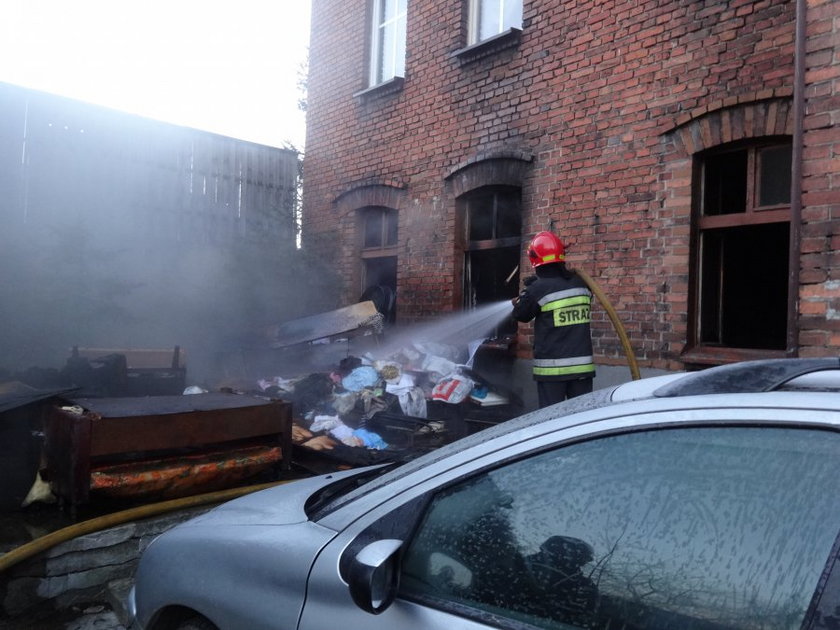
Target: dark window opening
{"x":775,"y":176}
{"x":380,"y":280}
{"x":741,"y":275}
{"x":494,"y":213}
{"x":378,"y":242}
{"x":380,"y":228}
{"x":744,"y":286}
{"x":491,"y":262}
{"x":725,"y":184}
{"x":491,"y":274}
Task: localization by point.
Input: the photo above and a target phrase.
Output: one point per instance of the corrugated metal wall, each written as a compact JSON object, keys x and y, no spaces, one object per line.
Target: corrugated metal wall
{"x":127,"y":177}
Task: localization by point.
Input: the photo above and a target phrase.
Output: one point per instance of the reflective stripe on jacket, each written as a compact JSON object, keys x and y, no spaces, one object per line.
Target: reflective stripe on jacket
{"x":562,"y":340}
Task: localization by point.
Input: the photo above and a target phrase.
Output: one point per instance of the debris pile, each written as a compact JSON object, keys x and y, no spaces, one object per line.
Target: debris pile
{"x":364,"y":409}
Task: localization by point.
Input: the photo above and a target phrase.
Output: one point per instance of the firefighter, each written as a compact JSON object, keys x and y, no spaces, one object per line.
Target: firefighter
{"x":559,"y":300}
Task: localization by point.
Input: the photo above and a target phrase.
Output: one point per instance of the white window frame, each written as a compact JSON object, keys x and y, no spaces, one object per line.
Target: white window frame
{"x":476,"y":8}
{"x":390,"y":63}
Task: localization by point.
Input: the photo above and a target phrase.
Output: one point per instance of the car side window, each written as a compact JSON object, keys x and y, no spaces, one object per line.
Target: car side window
{"x":696,"y":528}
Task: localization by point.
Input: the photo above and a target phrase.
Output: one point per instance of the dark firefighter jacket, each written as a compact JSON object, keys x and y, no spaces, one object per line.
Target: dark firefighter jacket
{"x":562,"y":339}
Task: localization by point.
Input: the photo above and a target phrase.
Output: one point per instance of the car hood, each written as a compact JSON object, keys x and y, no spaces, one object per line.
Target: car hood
{"x":281,"y":505}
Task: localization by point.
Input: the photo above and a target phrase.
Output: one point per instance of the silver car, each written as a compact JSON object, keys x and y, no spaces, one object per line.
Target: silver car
{"x":699,"y":501}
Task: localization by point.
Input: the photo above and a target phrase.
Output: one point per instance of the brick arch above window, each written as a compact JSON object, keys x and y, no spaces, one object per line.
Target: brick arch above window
{"x":507,"y":168}
{"x":389,"y":195}
{"x":732,"y":120}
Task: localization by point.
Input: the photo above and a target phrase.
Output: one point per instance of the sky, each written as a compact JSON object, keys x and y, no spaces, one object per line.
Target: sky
{"x":231,"y":67}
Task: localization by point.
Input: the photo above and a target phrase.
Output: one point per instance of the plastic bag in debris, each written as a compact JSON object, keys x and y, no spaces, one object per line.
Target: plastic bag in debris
{"x":324,"y":423}
{"x":361,"y":377}
{"x":412,"y":398}
{"x":446,"y":351}
{"x":345,"y":403}
{"x":370,"y":402}
{"x":438,"y":367}
{"x":453,"y":389}
{"x":344,"y":434}
{"x":472,"y":348}
{"x":370,"y":440}
{"x":413,"y":403}
{"x":283,"y":384}
{"x":399,"y":385}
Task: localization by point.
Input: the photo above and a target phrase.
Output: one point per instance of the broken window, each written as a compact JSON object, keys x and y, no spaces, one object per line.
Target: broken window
{"x":378,"y":229}
{"x":493,"y":228}
{"x":388,"y":34}
{"x":743,"y":242}
{"x":492,"y":17}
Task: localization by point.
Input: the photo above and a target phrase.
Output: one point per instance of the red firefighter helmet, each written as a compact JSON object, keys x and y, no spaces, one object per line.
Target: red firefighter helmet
{"x":546,"y":248}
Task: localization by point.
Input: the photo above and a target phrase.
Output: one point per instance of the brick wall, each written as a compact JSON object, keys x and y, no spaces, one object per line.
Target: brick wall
{"x":606,"y":102}
{"x":819,"y":280}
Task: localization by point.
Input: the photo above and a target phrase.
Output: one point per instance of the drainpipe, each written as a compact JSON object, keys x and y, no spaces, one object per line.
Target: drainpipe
{"x":796,"y":178}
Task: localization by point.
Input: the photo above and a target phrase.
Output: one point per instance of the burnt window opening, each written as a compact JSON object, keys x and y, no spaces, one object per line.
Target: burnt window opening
{"x":378,"y":247}
{"x":493,"y":214}
{"x":774,"y":174}
{"x":493,"y":232}
{"x":380,"y":278}
{"x":379,"y":228}
{"x":742,"y":248}
{"x":744,"y":286}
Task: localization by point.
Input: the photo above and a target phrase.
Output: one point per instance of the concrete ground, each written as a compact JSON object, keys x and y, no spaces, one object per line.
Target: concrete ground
{"x":605,"y":376}
{"x":95,"y":617}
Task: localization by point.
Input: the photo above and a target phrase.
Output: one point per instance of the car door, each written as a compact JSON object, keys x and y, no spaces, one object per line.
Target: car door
{"x":670,"y":526}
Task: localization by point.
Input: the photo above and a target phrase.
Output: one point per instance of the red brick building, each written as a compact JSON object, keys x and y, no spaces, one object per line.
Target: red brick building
{"x":687,"y":152}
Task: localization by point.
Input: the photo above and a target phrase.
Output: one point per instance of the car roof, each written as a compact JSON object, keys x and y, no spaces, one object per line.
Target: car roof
{"x":775,"y":383}
{"x":738,"y":378}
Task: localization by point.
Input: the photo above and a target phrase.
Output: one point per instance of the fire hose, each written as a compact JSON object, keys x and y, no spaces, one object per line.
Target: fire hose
{"x":616,"y":322}
{"x":19,"y":554}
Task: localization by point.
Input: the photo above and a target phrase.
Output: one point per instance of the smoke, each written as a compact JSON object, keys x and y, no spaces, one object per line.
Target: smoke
{"x":122,"y":232}
{"x":71,"y":284}
{"x":461,"y":329}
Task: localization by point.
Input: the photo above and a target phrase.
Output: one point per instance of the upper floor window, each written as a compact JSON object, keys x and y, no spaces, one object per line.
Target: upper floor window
{"x":492,"y":17}
{"x":388,"y":35}
{"x":742,"y":194}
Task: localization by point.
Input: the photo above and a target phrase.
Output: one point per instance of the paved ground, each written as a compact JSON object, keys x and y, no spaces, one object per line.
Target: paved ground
{"x":95,"y":617}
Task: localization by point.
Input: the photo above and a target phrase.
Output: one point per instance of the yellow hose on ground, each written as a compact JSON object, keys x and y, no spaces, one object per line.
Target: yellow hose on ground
{"x":43,"y":543}
{"x":616,"y":322}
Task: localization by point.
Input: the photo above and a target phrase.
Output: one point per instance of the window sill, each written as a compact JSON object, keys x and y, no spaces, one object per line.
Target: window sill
{"x":508,"y":39}
{"x":386,"y":88}
{"x":720,"y":355}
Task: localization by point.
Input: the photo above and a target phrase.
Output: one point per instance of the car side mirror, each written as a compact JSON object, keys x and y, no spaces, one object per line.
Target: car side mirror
{"x":373,"y":575}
